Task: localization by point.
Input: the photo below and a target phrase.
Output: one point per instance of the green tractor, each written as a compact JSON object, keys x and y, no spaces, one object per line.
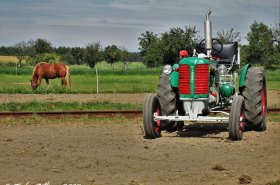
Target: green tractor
{"x":206,"y":83}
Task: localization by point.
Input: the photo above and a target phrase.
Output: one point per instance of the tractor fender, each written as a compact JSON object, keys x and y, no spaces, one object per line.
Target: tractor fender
{"x":175,"y":76}
{"x":242,"y":78}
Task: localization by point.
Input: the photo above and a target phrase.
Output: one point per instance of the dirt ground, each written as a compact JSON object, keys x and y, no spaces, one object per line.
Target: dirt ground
{"x":113,"y":151}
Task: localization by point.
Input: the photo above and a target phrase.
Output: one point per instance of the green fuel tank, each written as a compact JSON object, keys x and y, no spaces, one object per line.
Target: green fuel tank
{"x":227,"y":90}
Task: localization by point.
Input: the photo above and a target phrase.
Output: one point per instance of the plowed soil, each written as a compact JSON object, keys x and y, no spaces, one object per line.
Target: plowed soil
{"x":113,"y":151}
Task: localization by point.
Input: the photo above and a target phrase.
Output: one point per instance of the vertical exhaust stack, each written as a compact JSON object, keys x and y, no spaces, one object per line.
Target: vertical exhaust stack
{"x":208,"y":34}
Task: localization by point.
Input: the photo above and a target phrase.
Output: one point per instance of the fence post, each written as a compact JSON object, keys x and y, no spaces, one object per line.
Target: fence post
{"x":96,"y":80}
{"x":16,"y":68}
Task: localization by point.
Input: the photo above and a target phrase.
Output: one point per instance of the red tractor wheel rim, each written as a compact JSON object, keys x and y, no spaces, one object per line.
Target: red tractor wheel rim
{"x":157,"y":123}
{"x":241,"y":122}
{"x":263,"y":102}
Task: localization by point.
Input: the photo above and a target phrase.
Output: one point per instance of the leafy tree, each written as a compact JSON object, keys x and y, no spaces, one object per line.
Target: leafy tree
{"x":61,"y":50}
{"x":68,"y":58}
{"x":150,"y":48}
{"x":113,"y":54}
{"x":20,"y":51}
{"x":77,"y":54}
{"x":275,"y":59}
{"x":164,"y":49}
{"x":9,"y":50}
{"x":276,"y":36}
{"x":134,"y":56}
{"x":176,"y":40}
{"x":154,"y":54}
{"x":30,"y":49}
{"x":42,"y":46}
{"x":145,"y":41}
{"x":92,"y":54}
{"x":260,"y":48}
{"x":228,"y":36}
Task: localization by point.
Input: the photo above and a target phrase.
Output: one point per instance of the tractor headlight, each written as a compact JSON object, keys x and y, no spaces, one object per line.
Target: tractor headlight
{"x":167,"y":69}
{"x":222,"y":70}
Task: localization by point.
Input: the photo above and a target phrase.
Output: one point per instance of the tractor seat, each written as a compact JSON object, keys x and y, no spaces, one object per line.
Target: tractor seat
{"x":226,"y":55}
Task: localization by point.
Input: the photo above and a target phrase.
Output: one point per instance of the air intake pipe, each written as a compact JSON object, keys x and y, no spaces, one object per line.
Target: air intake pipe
{"x":208,"y":34}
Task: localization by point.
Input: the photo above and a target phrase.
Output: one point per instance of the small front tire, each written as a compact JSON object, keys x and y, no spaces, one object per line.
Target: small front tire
{"x":237,"y":118}
{"x":151,"y":127}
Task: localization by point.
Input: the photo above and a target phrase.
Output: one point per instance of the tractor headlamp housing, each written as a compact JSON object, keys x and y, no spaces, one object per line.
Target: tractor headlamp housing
{"x":222,"y":70}
{"x":167,"y":69}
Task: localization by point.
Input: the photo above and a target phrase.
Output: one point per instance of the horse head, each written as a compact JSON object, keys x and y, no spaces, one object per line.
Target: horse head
{"x":34,"y":84}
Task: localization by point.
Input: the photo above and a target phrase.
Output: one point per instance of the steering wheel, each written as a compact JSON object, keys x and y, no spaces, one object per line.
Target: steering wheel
{"x":215,"y":48}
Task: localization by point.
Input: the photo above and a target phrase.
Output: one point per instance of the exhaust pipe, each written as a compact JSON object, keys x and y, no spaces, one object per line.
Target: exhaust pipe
{"x":208,"y":34}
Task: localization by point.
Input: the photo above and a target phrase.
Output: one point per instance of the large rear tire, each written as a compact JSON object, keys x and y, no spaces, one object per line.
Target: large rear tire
{"x":255,"y":96}
{"x":151,"y":127}
{"x":167,"y":99}
{"x":237,"y":118}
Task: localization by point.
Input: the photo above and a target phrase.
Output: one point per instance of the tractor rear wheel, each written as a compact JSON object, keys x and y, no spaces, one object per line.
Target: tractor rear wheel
{"x":167,"y":99}
{"x":151,"y":127}
{"x":237,"y":118}
{"x":254,"y":93}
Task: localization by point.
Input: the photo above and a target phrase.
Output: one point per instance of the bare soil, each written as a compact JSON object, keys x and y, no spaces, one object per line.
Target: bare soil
{"x":113,"y":151}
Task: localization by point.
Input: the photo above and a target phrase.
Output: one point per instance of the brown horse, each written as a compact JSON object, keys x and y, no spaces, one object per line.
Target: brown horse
{"x":50,"y":71}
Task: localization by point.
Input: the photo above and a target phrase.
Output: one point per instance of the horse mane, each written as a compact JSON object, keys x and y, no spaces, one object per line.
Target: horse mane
{"x":34,"y":69}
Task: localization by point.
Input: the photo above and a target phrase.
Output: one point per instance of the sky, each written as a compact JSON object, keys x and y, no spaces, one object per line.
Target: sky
{"x":76,"y":23}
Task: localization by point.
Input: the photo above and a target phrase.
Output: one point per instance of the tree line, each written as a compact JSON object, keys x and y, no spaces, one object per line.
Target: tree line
{"x":155,"y":49}
{"x":34,"y":51}
{"x":263,"y":45}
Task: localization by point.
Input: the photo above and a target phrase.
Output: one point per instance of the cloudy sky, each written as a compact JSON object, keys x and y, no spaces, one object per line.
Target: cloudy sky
{"x":120,"y":22}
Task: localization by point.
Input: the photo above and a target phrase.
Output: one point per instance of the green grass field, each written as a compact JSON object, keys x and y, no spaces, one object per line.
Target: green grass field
{"x":64,"y":106}
{"x":136,"y":79}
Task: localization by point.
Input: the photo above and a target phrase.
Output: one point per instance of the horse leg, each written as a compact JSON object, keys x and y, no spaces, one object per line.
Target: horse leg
{"x":47,"y":81}
{"x":39,"y":81}
{"x":63,"y":81}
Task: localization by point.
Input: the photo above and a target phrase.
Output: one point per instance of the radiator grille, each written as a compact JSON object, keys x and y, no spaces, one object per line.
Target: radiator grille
{"x":201,"y":79}
{"x":184,"y":79}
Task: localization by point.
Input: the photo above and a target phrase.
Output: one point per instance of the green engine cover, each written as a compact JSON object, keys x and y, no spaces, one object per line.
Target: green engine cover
{"x":227,"y":90}
{"x":192,"y":63}
{"x":175,"y":76}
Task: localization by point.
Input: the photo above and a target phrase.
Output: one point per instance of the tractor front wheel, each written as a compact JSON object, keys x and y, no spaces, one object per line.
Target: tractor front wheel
{"x":151,"y":127}
{"x":237,"y":118}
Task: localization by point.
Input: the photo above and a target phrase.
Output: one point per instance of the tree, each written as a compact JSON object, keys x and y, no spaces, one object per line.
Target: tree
{"x":134,"y":56}
{"x":276,"y":36}
{"x":92,"y":54}
{"x":42,"y":46}
{"x":228,"y":36}
{"x":113,"y":54}
{"x":145,"y":41}
{"x":164,"y":49}
{"x":260,"y":48}
{"x":176,"y":40}
{"x":61,"y":50}
{"x":150,"y":49}
{"x":77,"y":54}
{"x":276,"y":44}
{"x":154,"y":55}
{"x":68,"y":58}
{"x":20,"y":51}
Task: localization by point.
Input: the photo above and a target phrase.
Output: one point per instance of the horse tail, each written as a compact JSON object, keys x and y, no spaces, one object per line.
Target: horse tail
{"x":68,"y":77}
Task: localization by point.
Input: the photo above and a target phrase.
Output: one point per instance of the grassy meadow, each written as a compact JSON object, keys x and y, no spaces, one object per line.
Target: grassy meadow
{"x":136,"y":79}
{"x":85,"y":81}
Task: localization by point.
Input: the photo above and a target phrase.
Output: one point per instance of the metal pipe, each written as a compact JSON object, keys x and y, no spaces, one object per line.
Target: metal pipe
{"x":208,"y":34}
